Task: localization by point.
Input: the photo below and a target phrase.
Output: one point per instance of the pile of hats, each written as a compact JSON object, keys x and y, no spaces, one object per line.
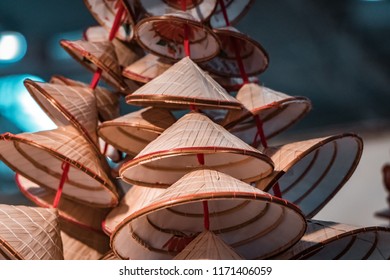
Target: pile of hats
{"x":190,"y":175}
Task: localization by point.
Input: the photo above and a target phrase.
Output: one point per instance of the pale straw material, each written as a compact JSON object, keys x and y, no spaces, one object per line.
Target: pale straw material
{"x":146,"y":69}
{"x":207,"y":246}
{"x":29,"y":233}
{"x":254,"y":58}
{"x":233,"y":83}
{"x":277,"y":111}
{"x":174,"y":153}
{"x":132,"y":132}
{"x":199,"y":9}
{"x":336,"y":241}
{"x":79,"y":214}
{"x":254,"y":223}
{"x":109,"y":256}
{"x":164,"y":36}
{"x":311,"y":172}
{"x":182,"y":85}
{"x":235,"y":10}
{"x":40,"y":156}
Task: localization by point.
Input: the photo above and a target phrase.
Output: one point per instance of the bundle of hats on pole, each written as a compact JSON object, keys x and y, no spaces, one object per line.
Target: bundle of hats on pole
{"x":190,"y":175}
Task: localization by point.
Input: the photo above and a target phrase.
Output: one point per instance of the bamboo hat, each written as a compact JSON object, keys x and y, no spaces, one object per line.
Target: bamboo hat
{"x":110,"y":255}
{"x":254,"y":58}
{"x":132,"y":132}
{"x":207,"y":246}
{"x":254,"y":223}
{"x":200,"y":10}
{"x":176,"y":151}
{"x":232,"y":83}
{"x":146,"y":69}
{"x":235,"y":10}
{"x":40,"y":156}
{"x":277,"y":111}
{"x":182,"y":85}
{"x":333,"y":241}
{"x":311,"y":172}
{"x":29,"y":233}
{"x":164,"y":37}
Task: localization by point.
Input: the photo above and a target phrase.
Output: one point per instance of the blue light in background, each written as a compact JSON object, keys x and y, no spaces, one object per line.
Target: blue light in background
{"x":13,"y":46}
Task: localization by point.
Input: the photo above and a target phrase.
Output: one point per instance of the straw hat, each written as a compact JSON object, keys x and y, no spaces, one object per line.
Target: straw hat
{"x":254,"y":57}
{"x":207,"y":246}
{"x":311,"y":172}
{"x":174,"y":153}
{"x":331,"y":241}
{"x":109,"y":256}
{"x":277,"y":111}
{"x":29,"y":233}
{"x":164,"y":36}
{"x":232,"y":83}
{"x":254,"y":223}
{"x":39,"y":157}
{"x":235,"y":10}
{"x":146,"y":69}
{"x":182,"y":85}
{"x":79,"y":214}
{"x":199,"y":9}
{"x":132,"y":132}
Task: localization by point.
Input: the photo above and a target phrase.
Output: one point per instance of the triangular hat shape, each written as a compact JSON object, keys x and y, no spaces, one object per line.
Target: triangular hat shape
{"x":107,"y":102}
{"x":254,"y":223}
{"x":132,"y":132}
{"x":182,"y":85}
{"x":336,"y":241}
{"x":175,"y":153}
{"x":29,"y":233}
{"x":164,"y":37}
{"x":40,"y":156}
{"x":311,"y":172}
{"x":254,"y":58}
{"x":73,"y":212}
{"x":235,"y":10}
{"x":276,"y":110}
{"x":207,"y":246}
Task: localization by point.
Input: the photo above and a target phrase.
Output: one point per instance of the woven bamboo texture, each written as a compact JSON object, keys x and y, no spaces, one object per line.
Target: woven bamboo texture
{"x":109,"y":256}
{"x":235,"y":10}
{"x":29,"y":233}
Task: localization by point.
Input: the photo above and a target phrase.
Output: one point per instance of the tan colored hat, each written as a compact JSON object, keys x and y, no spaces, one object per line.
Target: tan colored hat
{"x":253,"y":56}
{"x":199,"y":9}
{"x":164,"y":36}
{"x":235,"y":10}
{"x":232,"y":83}
{"x":334,"y":241}
{"x":110,"y":255}
{"x":29,"y":233}
{"x":277,"y":111}
{"x":254,"y":223}
{"x":132,"y":132}
{"x":147,"y":68}
{"x":182,"y":85}
{"x":79,"y":214}
{"x":39,"y":157}
{"x":311,"y":172}
{"x":207,"y":246}
{"x":174,"y":153}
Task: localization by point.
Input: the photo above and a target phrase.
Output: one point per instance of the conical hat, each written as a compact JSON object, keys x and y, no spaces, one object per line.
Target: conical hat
{"x":101,"y":55}
{"x":29,"y":233}
{"x":132,"y":132}
{"x":207,"y":246}
{"x":135,"y":199}
{"x":180,"y":86}
{"x":39,"y":157}
{"x":254,"y":223}
{"x":104,"y":11}
{"x":254,"y":57}
{"x":79,"y":214}
{"x":174,"y":153}
{"x":311,"y":172}
{"x":146,"y":69}
{"x":331,"y":241}
{"x":164,"y":36}
{"x":235,"y":10}
{"x":107,"y":102}
{"x":198,"y":9}
{"x":110,"y":255}
{"x":232,"y":83}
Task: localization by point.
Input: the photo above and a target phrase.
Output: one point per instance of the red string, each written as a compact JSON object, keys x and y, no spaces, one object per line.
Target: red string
{"x":224,"y":12}
{"x":184,"y":5}
{"x":187,"y":47}
{"x":206,"y":215}
{"x":236,"y":47}
{"x":105,"y":148}
{"x":276,"y":189}
{"x":260,"y":131}
{"x":64,"y":177}
{"x":117,"y":21}
{"x":95,"y":78}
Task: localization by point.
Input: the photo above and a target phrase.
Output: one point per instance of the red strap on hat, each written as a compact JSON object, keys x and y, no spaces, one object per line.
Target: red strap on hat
{"x":64,"y":177}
